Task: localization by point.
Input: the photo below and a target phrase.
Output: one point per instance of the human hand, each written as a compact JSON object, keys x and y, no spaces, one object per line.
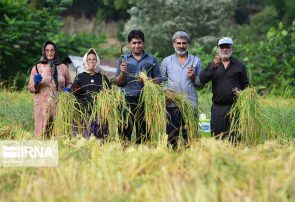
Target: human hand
{"x":191,"y":73}
{"x":123,"y":67}
{"x":37,"y":78}
{"x":216,"y":61}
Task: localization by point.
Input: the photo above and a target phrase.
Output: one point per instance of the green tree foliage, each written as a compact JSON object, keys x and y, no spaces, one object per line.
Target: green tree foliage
{"x":159,"y":19}
{"x":271,"y":61}
{"x":256,"y":29}
{"x":23,"y":30}
{"x":285,"y":9}
{"x":113,"y":10}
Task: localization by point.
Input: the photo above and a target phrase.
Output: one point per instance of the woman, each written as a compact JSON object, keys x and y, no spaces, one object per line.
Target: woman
{"x":47,"y":78}
{"x":85,"y":85}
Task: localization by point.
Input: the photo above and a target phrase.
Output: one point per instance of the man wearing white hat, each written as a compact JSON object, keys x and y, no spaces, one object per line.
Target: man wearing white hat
{"x":227,"y":75}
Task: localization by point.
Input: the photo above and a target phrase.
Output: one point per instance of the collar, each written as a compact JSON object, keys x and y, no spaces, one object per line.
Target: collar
{"x":144,"y":54}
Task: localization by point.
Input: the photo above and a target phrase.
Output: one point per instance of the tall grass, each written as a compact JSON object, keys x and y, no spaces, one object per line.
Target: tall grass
{"x":189,"y":114}
{"x":68,"y":115}
{"x":208,"y":171}
{"x":111,"y":109}
{"x":249,"y":120}
{"x":153,"y":100}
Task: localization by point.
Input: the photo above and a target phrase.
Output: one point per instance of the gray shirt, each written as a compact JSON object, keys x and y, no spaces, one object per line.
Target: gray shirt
{"x":176,"y":77}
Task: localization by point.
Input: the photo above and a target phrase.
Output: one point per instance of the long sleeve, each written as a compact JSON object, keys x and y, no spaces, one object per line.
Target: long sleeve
{"x":68,"y":83}
{"x":198,"y":70}
{"x":32,"y":87}
{"x":207,"y":74}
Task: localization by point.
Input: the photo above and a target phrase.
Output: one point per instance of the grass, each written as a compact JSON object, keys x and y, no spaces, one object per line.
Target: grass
{"x":209,"y":170}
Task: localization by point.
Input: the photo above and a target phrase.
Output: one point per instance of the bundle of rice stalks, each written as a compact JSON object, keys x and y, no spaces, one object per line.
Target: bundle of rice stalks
{"x":188,"y":112}
{"x":110,"y":108}
{"x":248,"y":120}
{"x":153,"y":100}
{"x":67,"y":115}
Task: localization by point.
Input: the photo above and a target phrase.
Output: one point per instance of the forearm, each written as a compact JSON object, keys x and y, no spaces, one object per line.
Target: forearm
{"x":121,"y":79}
{"x":206,"y":75}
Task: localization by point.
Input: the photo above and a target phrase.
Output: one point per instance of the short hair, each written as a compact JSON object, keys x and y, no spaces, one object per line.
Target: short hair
{"x":136,"y":34}
{"x":181,"y":34}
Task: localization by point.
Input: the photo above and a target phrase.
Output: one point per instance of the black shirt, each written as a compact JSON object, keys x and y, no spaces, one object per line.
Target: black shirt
{"x":225,"y":81}
{"x":86,"y":84}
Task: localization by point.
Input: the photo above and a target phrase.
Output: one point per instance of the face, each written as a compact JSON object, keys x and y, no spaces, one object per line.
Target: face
{"x":49,"y":51}
{"x":91,"y":61}
{"x":136,"y":46}
{"x":225,"y":51}
{"x":180,"y":46}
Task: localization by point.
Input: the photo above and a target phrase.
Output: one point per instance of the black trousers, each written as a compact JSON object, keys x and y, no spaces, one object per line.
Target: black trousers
{"x":175,"y":121}
{"x":137,"y":118}
{"x":220,"y":121}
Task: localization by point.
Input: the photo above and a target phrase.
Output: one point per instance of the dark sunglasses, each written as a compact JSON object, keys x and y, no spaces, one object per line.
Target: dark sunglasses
{"x":222,"y":46}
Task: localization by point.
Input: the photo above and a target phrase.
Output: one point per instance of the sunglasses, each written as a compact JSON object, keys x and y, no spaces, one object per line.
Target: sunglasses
{"x":223,"y":46}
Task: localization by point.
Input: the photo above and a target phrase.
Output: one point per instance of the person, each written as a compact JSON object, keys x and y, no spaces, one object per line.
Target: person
{"x":227,"y":75}
{"x":84,"y":86}
{"x":127,"y":77}
{"x":181,"y":72}
{"x":48,"y":77}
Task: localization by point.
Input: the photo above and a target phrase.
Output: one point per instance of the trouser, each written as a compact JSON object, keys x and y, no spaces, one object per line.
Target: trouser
{"x":175,"y":122}
{"x":136,"y":118}
{"x":220,"y":122}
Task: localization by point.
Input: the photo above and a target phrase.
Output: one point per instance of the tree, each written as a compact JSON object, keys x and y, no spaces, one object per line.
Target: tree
{"x":159,"y":19}
{"x":271,"y":61}
{"x":23,"y":30}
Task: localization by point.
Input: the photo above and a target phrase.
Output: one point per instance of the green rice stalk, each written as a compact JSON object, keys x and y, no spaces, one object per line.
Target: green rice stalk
{"x":67,"y":114}
{"x":248,"y":119}
{"x":153,"y":99}
{"x":110,"y":108}
{"x":188,"y":112}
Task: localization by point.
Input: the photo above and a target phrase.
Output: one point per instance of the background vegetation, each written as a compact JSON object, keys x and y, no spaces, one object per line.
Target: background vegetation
{"x":210,"y":170}
{"x":263,"y":32}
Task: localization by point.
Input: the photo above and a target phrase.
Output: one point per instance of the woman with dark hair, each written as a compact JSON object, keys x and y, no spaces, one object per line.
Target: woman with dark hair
{"x":47,"y":77}
{"x":85,"y":85}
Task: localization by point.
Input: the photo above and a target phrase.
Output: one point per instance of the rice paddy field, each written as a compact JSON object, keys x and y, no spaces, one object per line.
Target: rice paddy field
{"x":261,"y":168}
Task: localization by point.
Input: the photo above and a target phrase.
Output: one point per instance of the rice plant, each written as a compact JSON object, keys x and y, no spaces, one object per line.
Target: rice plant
{"x":110,"y":108}
{"x":67,"y":115}
{"x":153,"y":100}
{"x":248,"y":118}
{"x":188,"y":112}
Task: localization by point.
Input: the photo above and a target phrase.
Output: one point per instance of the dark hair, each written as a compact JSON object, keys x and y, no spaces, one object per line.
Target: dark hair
{"x":44,"y":58}
{"x":136,"y":34}
{"x":53,"y":64}
{"x":91,"y":52}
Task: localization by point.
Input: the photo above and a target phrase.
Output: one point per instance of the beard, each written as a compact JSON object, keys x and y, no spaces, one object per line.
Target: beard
{"x":180,"y":52}
{"x":225,"y":54}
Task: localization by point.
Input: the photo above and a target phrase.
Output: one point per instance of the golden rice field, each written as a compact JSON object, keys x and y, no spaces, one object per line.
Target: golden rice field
{"x":209,"y":170}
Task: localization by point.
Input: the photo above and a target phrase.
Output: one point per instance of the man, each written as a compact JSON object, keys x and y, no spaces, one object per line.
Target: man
{"x":128,"y":70}
{"x":181,"y":71}
{"x":227,"y":75}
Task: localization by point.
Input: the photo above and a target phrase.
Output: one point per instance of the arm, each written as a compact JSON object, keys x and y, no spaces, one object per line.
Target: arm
{"x":207,"y":74}
{"x":121,"y":73}
{"x":32,"y":86}
{"x":198,"y":70}
{"x":68,"y":83}
{"x":106,"y":80}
